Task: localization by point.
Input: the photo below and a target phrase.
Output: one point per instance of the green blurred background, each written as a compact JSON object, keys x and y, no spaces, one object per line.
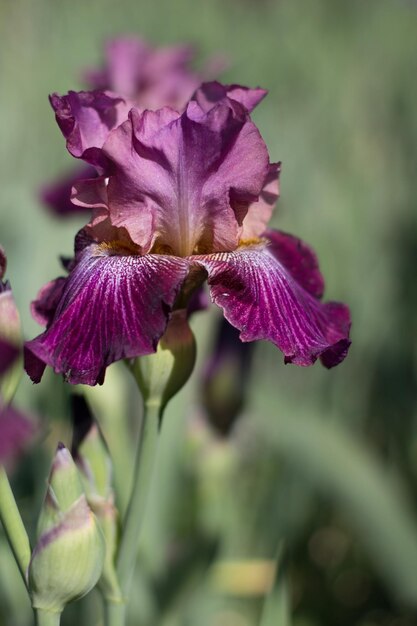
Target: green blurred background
{"x":323,"y":463}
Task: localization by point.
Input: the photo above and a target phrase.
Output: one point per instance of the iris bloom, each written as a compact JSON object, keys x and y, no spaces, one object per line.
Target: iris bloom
{"x":144,"y":76}
{"x":147,"y":76}
{"x":181,"y":197}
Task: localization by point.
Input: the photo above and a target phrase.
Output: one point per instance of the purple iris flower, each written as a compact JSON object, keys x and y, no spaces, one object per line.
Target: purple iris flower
{"x":15,"y":428}
{"x":148,"y":76}
{"x":181,"y":197}
{"x":145,"y":76}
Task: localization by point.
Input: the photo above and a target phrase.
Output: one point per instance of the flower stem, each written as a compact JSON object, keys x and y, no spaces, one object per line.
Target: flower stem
{"x":13,"y":526}
{"x":47,"y":618}
{"x":145,"y":458}
{"x":114,"y":613}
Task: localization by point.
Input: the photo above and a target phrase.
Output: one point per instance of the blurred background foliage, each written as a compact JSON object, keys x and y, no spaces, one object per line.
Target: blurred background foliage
{"x":321,"y":465}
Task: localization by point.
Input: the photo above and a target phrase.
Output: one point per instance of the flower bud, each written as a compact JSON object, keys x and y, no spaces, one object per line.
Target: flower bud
{"x":68,"y":558}
{"x":162,"y":374}
{"x":10,"y":327}
{"x":94,"y":462}
{"x":225,"y":378}
{"x":10,"y":336}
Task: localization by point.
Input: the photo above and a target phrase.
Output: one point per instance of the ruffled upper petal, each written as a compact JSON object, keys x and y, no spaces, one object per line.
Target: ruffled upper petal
{"x":112,"y":307}
{"x":86,"y":118}
{"x":263,"y":299}
{"x":212,"y":93}
{"x":191,"y":177}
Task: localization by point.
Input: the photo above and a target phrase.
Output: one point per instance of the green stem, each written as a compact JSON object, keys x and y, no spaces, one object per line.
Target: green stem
{"x":144,"y":465}
{"x":114,"y":614}
{"x":13,"y":526}
{"x":47,"y":618}
{"x":276,"y":608}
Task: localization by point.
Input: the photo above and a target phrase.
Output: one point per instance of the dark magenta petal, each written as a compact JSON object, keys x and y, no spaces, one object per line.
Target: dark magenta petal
{"x":212,"y":93}
{"x":112,"y":307}
{"x":340,"y":315}
{"x":261,"y":297}
{"x":44,"y":307}
{"x":199,"y":301}
{"x":3,"y":263}
{"x":299,"y":259}
{"x":86,"y":118}
{"x":15,"y":431}
{"x":57,"y":196}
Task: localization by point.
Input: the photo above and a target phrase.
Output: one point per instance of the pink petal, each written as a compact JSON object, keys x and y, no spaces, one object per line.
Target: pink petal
{"x":86,"y":118}
{"x":212,"y":93}
{"x":259,"y":212}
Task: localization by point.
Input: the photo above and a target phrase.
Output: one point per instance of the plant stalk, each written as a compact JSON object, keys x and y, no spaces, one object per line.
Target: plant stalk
{"x":144,"y":465}
{"x":47,"y":618}
{"x":13,"y":526}
{"x":114,"y":613}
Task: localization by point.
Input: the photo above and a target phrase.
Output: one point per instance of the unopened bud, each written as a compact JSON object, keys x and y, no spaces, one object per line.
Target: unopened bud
{"x":225,"y":378}
{"x":162,"y":374}
{"x":68,"y":558}
{"x":94,"y":462}
{"x":10,"y":336}
{"x":63,"y":489}
{"x":10,"y":327}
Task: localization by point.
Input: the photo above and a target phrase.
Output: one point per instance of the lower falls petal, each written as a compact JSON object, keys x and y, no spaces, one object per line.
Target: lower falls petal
{"x":112,"y":307}
{"x":265,"y":299}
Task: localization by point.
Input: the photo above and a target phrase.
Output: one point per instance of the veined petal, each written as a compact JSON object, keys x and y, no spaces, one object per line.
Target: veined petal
{"x":112,"y":307}
{"x":86,"y":118}
{"x":299,"y":259}
{"x":262,"y":298}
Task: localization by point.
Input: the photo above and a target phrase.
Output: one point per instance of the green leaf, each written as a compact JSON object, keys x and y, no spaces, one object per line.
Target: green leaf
{"x":344,"y":470}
